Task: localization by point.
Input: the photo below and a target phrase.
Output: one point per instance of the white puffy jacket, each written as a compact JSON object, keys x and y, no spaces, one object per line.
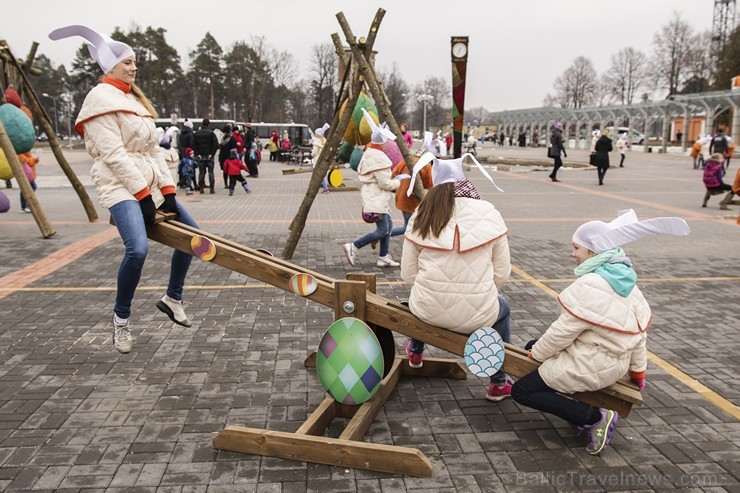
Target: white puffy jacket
{"x":120,"y":136}
{"x":598,"y":337}
{"x":375,"y":176}
{"x":456,"y":276}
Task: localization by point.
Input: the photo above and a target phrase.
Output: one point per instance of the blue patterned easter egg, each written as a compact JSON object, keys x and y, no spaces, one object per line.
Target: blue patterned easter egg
{"x":349,"y":361}
{"x":484,"y":352}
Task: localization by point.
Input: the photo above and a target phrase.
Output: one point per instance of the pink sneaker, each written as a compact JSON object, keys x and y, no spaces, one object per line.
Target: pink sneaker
{"x":499,"y":392}
{"x":414,"y":359}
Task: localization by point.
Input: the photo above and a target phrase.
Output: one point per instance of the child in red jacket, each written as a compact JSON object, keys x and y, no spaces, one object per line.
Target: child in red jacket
{"x":233,"y":168}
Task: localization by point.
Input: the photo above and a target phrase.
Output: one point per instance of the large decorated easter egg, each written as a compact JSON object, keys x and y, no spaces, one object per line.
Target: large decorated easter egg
{"x":303,"y":284}
{"x":484,"y":352}
{"x":4,"y":203}
{"x":6,"y":172}
{"x":18,"y":127}
{"x":203,"y":248}
{"x":335,"y":178}
{"x":344,"y":152}
{"x":349,"y":361}
{"x":390,"y":149}
{"x":354,"y":160}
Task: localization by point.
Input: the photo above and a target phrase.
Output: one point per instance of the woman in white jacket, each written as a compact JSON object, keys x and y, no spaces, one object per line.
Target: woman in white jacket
{"x":130,"y":173}
{"x":601,"y":333}
{"x":456,"y":256}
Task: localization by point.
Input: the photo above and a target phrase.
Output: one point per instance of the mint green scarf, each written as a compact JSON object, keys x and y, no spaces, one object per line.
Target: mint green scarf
{"x":620,"y":275}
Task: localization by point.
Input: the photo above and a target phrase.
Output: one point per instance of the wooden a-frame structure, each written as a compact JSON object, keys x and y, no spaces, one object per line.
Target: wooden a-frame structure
{"x":358,"y":74}
{"x":16,"y":75}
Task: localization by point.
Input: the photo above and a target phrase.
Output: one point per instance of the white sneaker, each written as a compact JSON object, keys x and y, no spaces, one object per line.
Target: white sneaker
{"x":350,"y":251}
{"x":174,"y":310}
{"x":26,"y":209}
{"x":122,"y":339}
{"x":387,"y":261}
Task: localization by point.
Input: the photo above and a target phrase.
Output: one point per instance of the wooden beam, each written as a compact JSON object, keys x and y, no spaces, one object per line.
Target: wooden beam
{"x":45,"y":123}
{"x":365,"y":415}
{"x":323,"y":450}
{"x":320,"y":419}
{"x":436,"y":368}
{"x":47,"y":231}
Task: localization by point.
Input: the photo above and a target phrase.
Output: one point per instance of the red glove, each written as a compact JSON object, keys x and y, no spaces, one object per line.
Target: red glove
{"x":638,"y":378}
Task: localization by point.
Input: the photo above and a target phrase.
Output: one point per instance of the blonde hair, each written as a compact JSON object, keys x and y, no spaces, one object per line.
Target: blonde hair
{"x":605,"y":133}
{"x":139,"y":94}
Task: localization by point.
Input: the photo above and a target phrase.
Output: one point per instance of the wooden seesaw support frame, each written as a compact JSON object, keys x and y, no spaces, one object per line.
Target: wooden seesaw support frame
{"x":355,"y":297}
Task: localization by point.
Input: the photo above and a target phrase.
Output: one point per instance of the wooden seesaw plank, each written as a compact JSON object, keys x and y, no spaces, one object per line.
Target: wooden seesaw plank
{"x":380,"y":311}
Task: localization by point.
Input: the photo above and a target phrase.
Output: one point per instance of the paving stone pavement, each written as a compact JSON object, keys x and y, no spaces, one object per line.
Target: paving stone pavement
{"x":75,"y":415}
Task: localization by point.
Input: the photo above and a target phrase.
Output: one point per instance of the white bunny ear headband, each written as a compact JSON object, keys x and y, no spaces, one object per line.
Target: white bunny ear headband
{"x":446,"y":170}
{"x":102,"y":48}
{"x":380,"y":135}
{"x":599,"y":236}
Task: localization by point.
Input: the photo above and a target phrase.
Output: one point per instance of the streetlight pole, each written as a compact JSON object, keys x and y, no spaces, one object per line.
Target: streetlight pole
{"x":423,"y":98}
{"x":69,"y":123}
{"x":56,"y":125}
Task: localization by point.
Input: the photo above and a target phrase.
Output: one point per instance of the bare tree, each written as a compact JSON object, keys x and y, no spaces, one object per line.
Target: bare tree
{"x":699,"y":64}
{"x":396,"y":90}
{"x":323,"y":80}
{"x":283,"y":67}
{"x":671,"y":48}
{"x":626,"y":75}
{"x":438,"y":106}
{"x":578,"y":85}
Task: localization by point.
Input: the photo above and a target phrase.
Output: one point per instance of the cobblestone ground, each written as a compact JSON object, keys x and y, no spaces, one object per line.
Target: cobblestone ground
{"x":75,"y":415}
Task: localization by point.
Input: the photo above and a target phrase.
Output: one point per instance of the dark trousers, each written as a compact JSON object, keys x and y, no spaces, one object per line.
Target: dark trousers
{"x":532,"y":391}
{"x":203,"y":166}
{"x":601,"y":172}
{"x":232,"y":182}
{"x":621,"y":162}
{"x":558,"y":163}
{"x":252,"y":167}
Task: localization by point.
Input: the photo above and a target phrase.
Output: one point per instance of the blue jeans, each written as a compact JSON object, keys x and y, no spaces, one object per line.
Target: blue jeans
{"x":23,"y":199}
{"x":502,"y":325}
{"x":130,"y":223}
{"x":382,"y":233}
{"x":203,"y":166}
{"x":399,"y":230}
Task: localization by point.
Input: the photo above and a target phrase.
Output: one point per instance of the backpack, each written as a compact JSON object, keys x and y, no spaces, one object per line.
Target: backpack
{"x":712,"y":176}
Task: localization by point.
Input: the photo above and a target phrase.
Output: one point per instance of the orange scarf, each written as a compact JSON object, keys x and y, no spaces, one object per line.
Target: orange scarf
{"x":119,"y":84}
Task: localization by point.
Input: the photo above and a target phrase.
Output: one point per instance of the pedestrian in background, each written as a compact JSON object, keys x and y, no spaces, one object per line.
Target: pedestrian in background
{"x":602,"y":148}
{"x":205,"y":145}
{"x":622,"y":147}
{"x":555,"y":148}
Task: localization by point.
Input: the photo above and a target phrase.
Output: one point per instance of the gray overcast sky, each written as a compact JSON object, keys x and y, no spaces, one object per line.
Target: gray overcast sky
{"x":517,"y":47}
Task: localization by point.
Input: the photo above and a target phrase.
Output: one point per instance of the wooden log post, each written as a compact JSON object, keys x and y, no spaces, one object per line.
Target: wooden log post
{"x":336,"y":131}
{"x":38,"y":213}
{"x":45,"y":123}
{"x":360,"y":55}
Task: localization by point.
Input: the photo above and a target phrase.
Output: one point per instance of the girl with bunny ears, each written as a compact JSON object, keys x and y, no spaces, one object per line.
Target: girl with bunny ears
{"x":456,"y":256}
{"x":601,"y":333}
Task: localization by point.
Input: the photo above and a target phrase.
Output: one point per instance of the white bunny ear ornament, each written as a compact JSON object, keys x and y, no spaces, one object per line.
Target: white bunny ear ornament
{"x":446,"y":170}
{"x":103,"y":49}
{"x":380,"y":135}
{"x":599,"y":236}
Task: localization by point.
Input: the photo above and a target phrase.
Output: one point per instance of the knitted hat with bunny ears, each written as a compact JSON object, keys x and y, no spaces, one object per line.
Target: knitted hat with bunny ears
{"x":380,"y":135}
{"x":446,"y":170}
{"x":102,"y":48}
{"x":599,"y":236}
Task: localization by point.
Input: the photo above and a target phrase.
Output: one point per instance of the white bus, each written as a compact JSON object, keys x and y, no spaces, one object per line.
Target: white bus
{"x":298,"y":133}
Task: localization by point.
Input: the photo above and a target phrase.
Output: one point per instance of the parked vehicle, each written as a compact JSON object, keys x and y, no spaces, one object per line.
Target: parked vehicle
{"x":298,"y":133}
{"x":637,"y":137}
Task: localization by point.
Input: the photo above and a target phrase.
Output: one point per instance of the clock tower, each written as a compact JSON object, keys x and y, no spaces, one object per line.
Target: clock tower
{"x":459,"y":51}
